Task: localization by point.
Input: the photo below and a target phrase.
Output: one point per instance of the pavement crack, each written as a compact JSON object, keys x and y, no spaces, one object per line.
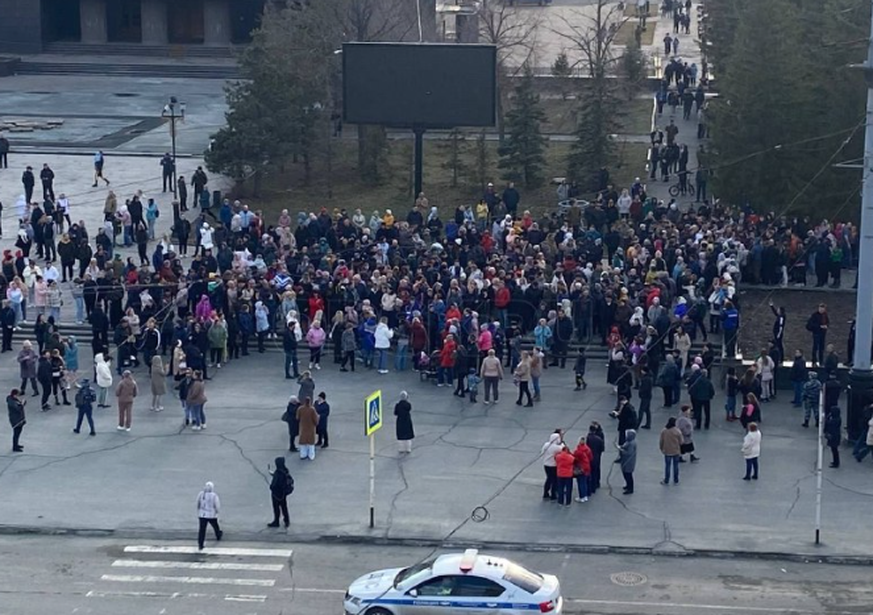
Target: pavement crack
{"x":397,"y":495}
{"x":242,"y":454}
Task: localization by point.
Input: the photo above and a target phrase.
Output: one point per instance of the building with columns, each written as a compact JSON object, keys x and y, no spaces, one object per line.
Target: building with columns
{"x":28,"y":26}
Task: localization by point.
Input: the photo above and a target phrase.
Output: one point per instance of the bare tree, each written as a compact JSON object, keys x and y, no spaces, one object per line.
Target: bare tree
{"x":592,"y":37}
{"x":513,"y":32}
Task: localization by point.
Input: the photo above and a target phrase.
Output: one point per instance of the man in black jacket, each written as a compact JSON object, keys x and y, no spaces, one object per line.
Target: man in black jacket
{"x":15,"y":408}
{"x":7,"y":322}
{"x":289,"y":345}
{"x":47,"y":177}
{"x":647,"y":383}
{"x":28,"y":180}
{"x":561,"y":337}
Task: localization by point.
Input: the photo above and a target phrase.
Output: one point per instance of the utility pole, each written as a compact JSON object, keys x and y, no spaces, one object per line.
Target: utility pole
{"x":861,"y":375}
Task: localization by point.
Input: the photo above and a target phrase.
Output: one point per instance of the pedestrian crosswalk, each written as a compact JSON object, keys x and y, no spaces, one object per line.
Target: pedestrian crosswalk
{"x":183,"y":572}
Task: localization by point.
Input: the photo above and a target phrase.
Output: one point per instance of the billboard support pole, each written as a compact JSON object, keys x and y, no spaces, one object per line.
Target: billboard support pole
{"x":418,"y":131}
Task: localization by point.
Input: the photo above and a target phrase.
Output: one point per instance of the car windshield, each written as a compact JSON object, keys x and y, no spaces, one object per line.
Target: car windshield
{"x":529,"y":581}
{"x":408,"y":573}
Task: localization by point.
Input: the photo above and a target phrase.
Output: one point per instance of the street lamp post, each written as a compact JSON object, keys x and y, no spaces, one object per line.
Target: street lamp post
{"x":174,"y":110}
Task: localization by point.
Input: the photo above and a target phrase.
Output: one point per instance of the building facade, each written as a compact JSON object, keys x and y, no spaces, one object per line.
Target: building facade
{"x":27,"y":26}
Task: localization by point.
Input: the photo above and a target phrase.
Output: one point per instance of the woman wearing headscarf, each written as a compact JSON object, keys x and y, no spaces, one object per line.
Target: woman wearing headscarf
{"x":403,"y":424}
{"x":208,"y":506}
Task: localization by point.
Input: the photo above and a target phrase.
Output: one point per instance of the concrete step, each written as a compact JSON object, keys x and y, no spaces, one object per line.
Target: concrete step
{"x":31,"y":67}
{"x":139,"y":50}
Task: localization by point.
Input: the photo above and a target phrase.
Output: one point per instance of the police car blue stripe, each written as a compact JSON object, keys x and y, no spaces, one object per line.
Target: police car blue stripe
{"x":454,"y":604}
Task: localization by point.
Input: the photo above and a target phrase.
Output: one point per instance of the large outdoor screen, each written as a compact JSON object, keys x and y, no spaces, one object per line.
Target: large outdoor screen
{"x":415,"y":84}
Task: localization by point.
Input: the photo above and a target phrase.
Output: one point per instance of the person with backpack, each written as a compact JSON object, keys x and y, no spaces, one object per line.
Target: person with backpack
{"x":281,"y":486}
{"x":85,"y":398}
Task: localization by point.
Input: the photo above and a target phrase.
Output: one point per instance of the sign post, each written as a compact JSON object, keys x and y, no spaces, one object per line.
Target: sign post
{"x":372,"y":424}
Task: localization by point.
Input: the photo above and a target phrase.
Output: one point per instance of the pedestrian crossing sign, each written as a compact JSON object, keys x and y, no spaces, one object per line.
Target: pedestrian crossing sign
{"x":373,"y":413}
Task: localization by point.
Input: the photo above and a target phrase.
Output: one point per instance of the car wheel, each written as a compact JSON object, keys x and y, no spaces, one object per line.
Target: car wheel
{"x":378,"y":611}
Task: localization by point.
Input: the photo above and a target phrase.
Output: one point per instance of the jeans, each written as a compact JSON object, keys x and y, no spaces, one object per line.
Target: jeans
{"x":151,"y":226}
{"x":291,"y":361}
{"x":491,"y":387}
{"x":383,"y":359}
{"x":307,"y":450}
{"x":80,"y":309}
{"x":536,"y":386}
{"x":751,"y":468}
{"x":582,"y":485}
{"x":444,"y":375}
{"x":798,"y":392}
{"x":668,"y":461}
{"x":367,"y":356}
{"x":280,"y":506}
{"x":315,"y":355}
{"x":861,"y":449}
{"x":16,"y":434}
{"x":201,"y":532}
{"x":730,"y":405}
{"x":400,"y":358}
{"x":522,"y":391}
{"x":645,"y":411}
{"x":19,"y":313}
{"x":550,"y":487}
{"x":85,"y":412}
{"x":565,"y":490}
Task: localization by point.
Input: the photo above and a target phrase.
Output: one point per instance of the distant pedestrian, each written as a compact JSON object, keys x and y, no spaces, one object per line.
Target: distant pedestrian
{"x":751,"y":411}
{"x":647,"y":384}
{"x":579,"y":370}
{"x":158,"y":382}
{"x":597,"y":444}
{"x":323,"y":410}
{"x":798,"y":376}
{"x":27,"y":360}
{"x":28,"y":180}
{"x":125,"y":393}
{"x":811,"y":398}
{"x":628,"y":459}
{"x":99,"y":161}
{"x":307,"y":420}
{"x":85,"y":398}
{"x":208,"y":507}
{"x":686,"y":427}
{"x":15,"y":407}
{"x":195,"y":401}
{"x":281,"y":486}
{"x":564,"y":462}
{"x":817,"y":325}
{"x":290,"y":417}
{"x":751,"y":451}
{"x":671,"y":448}
{"x":403,"y":428}
{"x":833,"y":432}
{"x":582,"y":468}
{"x":491,"y":373}
{"x":550,"y":449}
{"x":4,"y":152}
{"x":307,"y":386}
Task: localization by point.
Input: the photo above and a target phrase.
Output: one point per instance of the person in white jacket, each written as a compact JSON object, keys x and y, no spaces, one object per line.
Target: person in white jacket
{"x":751,"y":451}
{"x":104,"y":378}
{"x":383,"y":337}
{"x":208,"y":506}
{"x":549,"y":450}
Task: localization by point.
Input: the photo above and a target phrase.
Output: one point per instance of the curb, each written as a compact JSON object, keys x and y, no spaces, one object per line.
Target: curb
{"x":660,"y":550}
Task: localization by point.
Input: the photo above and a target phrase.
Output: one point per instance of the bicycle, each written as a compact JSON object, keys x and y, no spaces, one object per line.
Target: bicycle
{"x":675,"y":190}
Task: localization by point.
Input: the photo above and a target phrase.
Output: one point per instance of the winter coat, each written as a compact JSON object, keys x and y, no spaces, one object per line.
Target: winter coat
{"x":307,"y":390}
{"x":522,"y":372}
{"x":752,"y":445}
{"x":126,"y":391}
{"x":158,"y":381}
{"x":217,"y":335}
{"x":279,"y":480}
{"x":583,"y":456}
{"x":348,"y":341}
{"x":671,"y":441}
{"x":564,"y":462}
{"x":403,"y":423}
{"x":551,"y":449}
{"x":383,"y":336}
{"x":196,"y":393}
{"x":686,"y":428}
{"x":701,"y":389}
{"x":833,"y":428}
{"x":16,"y":411}
{"x":104,"y":372}
{"x":71,"y":356}
{"x":628,"y":452}
{"x":315,"y":337}
{"x":307,"y":418}
{"x":208,"y":503}
{"x":27,"y":359}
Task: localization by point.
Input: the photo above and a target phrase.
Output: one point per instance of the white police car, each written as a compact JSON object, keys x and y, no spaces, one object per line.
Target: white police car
{"x":455,"y":583}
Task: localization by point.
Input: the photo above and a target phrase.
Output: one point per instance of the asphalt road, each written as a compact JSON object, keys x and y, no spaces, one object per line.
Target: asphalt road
{"x":57,"y":575}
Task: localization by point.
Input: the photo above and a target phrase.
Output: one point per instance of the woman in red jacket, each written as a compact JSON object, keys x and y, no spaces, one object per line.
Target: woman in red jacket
{"x":582,"y":468}
{"x":565,"y":462}
{"x":448,"y":355}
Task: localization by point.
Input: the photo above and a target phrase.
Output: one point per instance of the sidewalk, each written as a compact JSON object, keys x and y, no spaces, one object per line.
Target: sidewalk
{"x":465,"y":456}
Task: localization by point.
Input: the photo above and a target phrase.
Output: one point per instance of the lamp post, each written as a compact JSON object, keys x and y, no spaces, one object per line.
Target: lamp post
{"x":174,"y":110}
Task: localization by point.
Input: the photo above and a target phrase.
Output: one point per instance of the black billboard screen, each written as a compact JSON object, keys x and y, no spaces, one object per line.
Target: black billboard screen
{"x":415,"y":84}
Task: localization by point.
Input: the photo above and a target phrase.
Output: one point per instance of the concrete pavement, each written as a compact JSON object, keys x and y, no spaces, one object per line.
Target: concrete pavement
{"x":143,"y":483}
{"x":98,"y":576}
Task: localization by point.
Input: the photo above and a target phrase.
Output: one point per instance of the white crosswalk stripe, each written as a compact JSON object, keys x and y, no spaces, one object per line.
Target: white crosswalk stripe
{"x":167,"y":568}
{"x":136,"y":563}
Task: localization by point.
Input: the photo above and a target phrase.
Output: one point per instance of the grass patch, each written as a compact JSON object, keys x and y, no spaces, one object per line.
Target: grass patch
{"x":634,"y":116}
{"x":346,"y":190}
{"x":625,"y":34}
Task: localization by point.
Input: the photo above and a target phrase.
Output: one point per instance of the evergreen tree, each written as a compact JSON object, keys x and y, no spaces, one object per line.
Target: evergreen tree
{"x":522,"y":155}
{"x":594,"y":146}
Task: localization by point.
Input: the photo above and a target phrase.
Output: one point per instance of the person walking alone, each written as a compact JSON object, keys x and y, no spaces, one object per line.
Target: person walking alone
{"x":85,"y":398}
{"x":751,"y":451}
{"x":208,"y":507}
{"x":671,"y":449}
{"x":15,"y":408}
{"x":403,"y":428}
{"x":281,"y":486}
{"x":125,"y":393}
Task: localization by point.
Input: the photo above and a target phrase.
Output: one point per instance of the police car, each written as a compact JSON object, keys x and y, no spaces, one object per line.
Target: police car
{"x":455,"y":583}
